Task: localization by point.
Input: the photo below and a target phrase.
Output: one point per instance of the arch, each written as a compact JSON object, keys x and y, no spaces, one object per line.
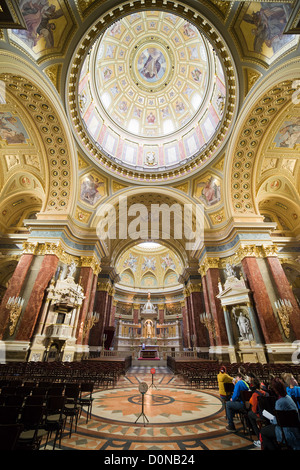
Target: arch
{"x":204,"y":155}
{"x":49,"y":119}
{"x":170,"y":278}
{"x":127,"y":277}
{"x":147,"y":198}
{"x":245,"y":144}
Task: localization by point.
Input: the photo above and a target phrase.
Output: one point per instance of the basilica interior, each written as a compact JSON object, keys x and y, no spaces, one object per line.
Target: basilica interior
{"x":149,"y":203}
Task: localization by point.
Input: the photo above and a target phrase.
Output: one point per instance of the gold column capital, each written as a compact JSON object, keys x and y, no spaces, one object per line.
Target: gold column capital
{"x":269,"y":250}
{"x":90,"y":262}
{"x":207,"y":264}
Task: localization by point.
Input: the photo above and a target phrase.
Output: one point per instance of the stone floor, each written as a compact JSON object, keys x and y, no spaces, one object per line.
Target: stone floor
{"x":170,"y":416}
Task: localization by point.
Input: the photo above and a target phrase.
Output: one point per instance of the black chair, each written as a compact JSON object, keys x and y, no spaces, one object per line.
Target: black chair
{"x":9,"y":435}
{"x":8,"y":390}
{"x":14,"y":400}
{"x":9,"y":414}
{"x":72,"y":407}
{"x":32,"y":420}
{"x":86,"y":399}
{"x":229,"y":387}
{"x":55,"y":418}
{"x":287,"y":418}
{"x":56,"y":389}
{"x":38,"y":400}
{"x":243,"y":414}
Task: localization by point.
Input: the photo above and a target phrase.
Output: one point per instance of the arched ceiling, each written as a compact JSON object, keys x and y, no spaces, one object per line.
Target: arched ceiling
{"x":152,"y":91}
{"x":145,"y":128}
{"x":148,"y":267}
{"x":232,"y":175}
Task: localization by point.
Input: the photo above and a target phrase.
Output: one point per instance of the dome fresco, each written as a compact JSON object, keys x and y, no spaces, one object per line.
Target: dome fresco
{"x":149,"y":266}
{"x":152,"y":91}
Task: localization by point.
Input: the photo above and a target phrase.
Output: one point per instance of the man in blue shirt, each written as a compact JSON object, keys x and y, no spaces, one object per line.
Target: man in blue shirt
{"x":235,"y":404}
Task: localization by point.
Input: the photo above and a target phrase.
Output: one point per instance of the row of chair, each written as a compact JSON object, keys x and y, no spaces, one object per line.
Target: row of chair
{"x":76,"y":371}
{"x":285,"y":418}
{"x":204,"y":374}
{"x":43,"y":410}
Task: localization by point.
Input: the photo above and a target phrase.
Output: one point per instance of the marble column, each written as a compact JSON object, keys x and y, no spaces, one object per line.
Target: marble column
{"x":161,"y":313}
{"x":86,"y":280}
{"x":207,"y":307}
{"x":136,"y":309}
{"x":189,"y":319}
{"x":262,"y":301}
{"x":101,"y":300}
{"x":14,"y":289}
{"x":197,"y":306}
{"x":185,"y":326}
{"x":216,"y":310}
{"x":113,"y":313}
{"x":285,"y":291}
{"x":32,"y":309}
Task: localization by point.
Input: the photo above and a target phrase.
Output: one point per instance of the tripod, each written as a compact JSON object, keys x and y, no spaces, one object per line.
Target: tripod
{"x":142,"y":412}
{"x":152,"y":383}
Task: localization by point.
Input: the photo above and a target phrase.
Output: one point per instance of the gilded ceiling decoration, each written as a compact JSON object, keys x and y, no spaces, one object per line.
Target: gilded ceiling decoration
{"x":253,"y":133}
{"x":48,"y":28}
{"x":52,"y":139}
{"x":149,"y":266}
{"x":259,"y":31}
{"x":151,"y":94}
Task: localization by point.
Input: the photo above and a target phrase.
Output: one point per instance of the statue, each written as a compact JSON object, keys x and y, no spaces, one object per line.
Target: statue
{"x":149,"y":327}
{"x":244,"y":326}
{"x":71,"y":270}
{"x":229,"y":270}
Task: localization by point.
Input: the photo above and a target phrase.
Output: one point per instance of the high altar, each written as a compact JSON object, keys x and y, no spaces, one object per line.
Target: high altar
{"x":148,"y":339}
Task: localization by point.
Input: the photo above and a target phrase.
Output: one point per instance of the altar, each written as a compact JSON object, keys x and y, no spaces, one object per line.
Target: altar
{"x":149,"y":352}
{"x":147,"y":338}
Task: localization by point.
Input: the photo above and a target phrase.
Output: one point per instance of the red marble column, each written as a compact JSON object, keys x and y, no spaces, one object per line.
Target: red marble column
{"x":101,"y":299}
{"x":262,"y":301}
{"x":86,"y":281}
{"x":212,"y":279}
{"x":285,"y":292}
{"x":108,"y":310}
{"x":189,"y":315}
{"x":113,"y":314}
{"x":207,"y":306}
{"x":161,"y":314}
{"x":198,"y":307}
{"x":136,"y":309}
{"x":32,"y":310}
{"x":14,"y":289}
{"x":185,"y":326}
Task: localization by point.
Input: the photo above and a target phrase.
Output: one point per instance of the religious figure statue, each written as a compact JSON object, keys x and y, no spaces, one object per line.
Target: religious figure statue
{"x":71,"y":270}
{"x":229,"y":270}
{"x":243,"y":324}
{"x":148,"y":324}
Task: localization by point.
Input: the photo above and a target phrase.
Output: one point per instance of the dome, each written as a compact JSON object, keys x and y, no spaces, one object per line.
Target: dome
{"x":149,"y":267}
{"x":151,"y":92}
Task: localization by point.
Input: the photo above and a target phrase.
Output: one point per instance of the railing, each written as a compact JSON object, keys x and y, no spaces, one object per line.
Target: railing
{"x":59,"y":331}
{"x":106,"y":353}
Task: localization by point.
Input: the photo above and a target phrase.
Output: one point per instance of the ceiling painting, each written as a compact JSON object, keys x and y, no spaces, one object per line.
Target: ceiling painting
{"x":12,"y":130}
{"x":208,"y":190}
{"x":92,"y":188}
{"x":259,"y":30}
{"x":149,"y":266}
{"x":151,"y":94}
{"x":48,"y":25}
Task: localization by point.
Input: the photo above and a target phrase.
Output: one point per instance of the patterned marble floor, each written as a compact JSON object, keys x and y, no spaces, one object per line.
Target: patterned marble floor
{"x":173,"y":417}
